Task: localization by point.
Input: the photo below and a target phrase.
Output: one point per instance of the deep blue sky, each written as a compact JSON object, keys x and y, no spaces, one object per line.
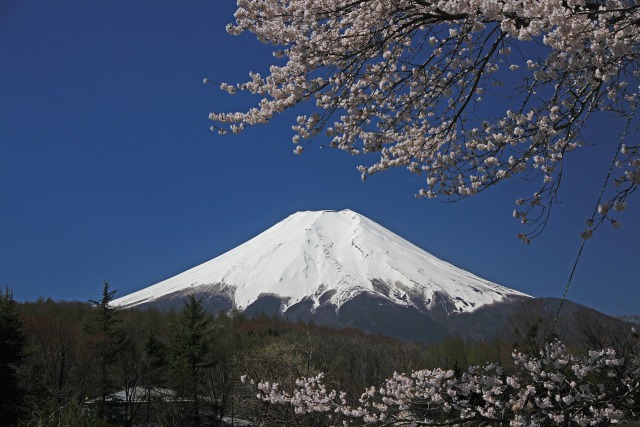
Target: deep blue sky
{"x":108,"y":170}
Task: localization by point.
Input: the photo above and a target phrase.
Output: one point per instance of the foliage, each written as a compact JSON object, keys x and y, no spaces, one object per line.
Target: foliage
{"x":409,"y":80}
{"x":12,"y":342}
{"x":189,"y":351}
{"x":108,"y":341}
{"x":554,"y":388}
{"x":60,"y":370}
{"x":51,"y":413}
{"x":190,"y":343}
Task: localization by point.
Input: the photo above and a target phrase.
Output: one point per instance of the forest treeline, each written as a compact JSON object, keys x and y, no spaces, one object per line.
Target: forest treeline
{"x":90,"y":364}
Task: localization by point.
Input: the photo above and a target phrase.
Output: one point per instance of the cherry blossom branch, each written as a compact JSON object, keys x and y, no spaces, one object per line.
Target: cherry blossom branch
{"x":407,"y":79}
{"x":597,"y":388}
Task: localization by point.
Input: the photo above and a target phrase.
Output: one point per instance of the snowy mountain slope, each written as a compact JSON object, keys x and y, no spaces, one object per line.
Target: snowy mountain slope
{"x":329,"y":258}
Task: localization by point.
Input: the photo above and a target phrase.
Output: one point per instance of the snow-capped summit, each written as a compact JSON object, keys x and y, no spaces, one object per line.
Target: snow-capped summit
{"x":325,"y":259}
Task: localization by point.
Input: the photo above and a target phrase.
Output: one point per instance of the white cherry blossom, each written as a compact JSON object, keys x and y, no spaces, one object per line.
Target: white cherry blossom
{"x":422,"y":83}
{"x":552,"y":388}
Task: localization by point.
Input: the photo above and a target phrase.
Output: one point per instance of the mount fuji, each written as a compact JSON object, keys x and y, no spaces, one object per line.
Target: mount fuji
{"x":342,"y":269}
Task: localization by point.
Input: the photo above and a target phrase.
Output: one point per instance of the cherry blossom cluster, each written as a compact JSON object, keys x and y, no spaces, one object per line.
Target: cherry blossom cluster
{"x":407,"y":79}
{"x":552,"y":388}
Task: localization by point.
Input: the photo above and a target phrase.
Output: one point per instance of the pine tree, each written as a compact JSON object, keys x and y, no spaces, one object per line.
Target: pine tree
{"x":12,"y":342}
{"x":108,"y":341}
{"x":189,"y":349}
{"x":155,"y":355}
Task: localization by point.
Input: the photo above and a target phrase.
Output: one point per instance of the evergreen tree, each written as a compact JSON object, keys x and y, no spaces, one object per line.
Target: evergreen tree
{"x":12,"y":341}
{"x":109,"y":339}
{"x":189,"y":349}
{"x":155,"y":358}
